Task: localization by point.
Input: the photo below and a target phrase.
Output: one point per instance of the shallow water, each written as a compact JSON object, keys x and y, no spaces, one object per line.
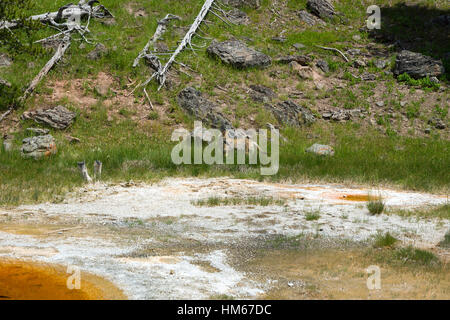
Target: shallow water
{"x":26,"y":280}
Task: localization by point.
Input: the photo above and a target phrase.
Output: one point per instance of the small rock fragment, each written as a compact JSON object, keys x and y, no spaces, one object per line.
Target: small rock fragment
{"x":321,"y":150}
{"x":323,"y":65}
{"x":299,"y":46}
{"x":99,"y":51}
{"x":300,"y":59}
{"x":359,"y":64}
{"x":380,"y":64}
{"x":38,"y":131}
{"x":5,"y":61}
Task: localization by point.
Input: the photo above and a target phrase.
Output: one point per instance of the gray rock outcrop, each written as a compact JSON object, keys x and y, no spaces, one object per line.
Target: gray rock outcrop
{"x":57,"y":118}
{"x":321,"y":8}
{"x":289,"y":113}
{"x":38,"y":147}
{"x":417,"y":65}
{"x":237,"y":54}
{"x":192,"y":101}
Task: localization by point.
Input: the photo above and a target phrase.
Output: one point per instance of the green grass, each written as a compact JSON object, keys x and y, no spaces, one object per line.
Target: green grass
{"x":141,"y":152}
{"x":235,"y":201}
{"x":312,"y":216}
{"x":376,"y":206}
{"x":131,"y":152}
{"x":440,"y":212}
{"x":384,"y":240}
{"x":282,"y":241}
{"x":408,"y":257}
{"x":446,"y":242}
{"x":423,"y":83}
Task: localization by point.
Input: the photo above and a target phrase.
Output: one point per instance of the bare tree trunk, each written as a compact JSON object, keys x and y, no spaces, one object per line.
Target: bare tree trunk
{"x":161,"y":74}
{"x":160,"y":30}
{"x":81,"y":10}
{"x":62,"y":48}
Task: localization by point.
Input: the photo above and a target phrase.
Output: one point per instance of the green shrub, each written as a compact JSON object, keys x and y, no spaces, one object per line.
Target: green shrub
{"x":385,"y":240}
{"x":411,"y":255}
{"x":424,"y":82}
{"x":311,"y":216}
{"x":376,"y":206}
{"x":446,"y":242}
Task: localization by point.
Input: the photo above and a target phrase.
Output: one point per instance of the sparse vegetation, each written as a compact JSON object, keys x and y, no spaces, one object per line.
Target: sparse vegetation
{"x":312,"y":215}
{"x":384,"y":240}
{"x":423,"y":83}
{"x":122,"y":134}
{"x":407,"y":257}
{"x":235,"y":201}
{"x":413,"y":256}
{"x":440,"y":212}
{"x":375,"y":206}
{"x":446,"y":242}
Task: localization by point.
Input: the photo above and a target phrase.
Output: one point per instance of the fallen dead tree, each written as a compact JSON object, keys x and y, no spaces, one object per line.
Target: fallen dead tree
{"x":82,"y":10}
{"x":209,"y":6}
{"x":67,"y":20}
{"x":64,"y":44}
{"x":160,"y":30}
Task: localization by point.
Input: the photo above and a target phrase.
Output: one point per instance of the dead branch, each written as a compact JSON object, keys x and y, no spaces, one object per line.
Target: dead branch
{"x":160,"y":30}
{"x":81,"y":10}
{"x":336,"y":50}
{"x":62,"y":48}
{"x":148,"y":98}
{"x":3,"y":116}
{"x":161,"y":73}
{"x":72,"y":14}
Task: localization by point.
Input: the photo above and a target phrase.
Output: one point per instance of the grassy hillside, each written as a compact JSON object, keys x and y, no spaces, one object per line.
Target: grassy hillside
{"x":388,"y":146}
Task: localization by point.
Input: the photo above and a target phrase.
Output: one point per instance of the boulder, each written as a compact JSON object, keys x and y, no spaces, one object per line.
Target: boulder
{"x":417,"y":65}
{"x":309,"y":19}
{"x":323,"y":65}
{"x":321,"y":150}
{"x":261,"y":93}
{"x":290,"y":113}
{"x":321,"y":8}
{"x":38,"y":147}
{"x":58,"y":118}
{"x":192,"y":101}
{"x":5,"y":61}
{"x":237,"y":54}
{"x":238,"y":17}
